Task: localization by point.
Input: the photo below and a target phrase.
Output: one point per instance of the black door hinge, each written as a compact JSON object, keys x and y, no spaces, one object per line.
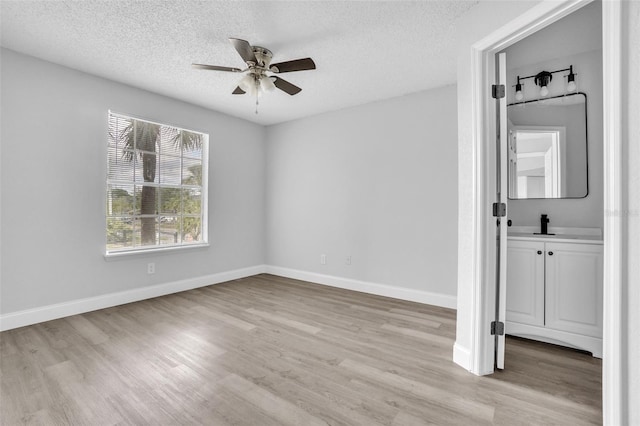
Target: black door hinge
{"x":499,"y":209}
{"x":497,"y":328}
{"x":497,"y":91}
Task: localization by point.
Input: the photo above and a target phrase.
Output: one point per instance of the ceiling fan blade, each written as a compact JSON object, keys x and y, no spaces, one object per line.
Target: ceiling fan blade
{"x":295,"y":65}
{"x":244,"y":49}
{"x":285,"y":86}
{"x":238,"y":91}
{"x":215,"y":68}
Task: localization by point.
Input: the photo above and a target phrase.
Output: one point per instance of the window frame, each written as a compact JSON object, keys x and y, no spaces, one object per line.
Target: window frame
{"x":108,"y":183}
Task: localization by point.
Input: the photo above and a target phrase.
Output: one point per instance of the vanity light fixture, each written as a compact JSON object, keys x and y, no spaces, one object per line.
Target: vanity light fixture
{"x":543,"y":78}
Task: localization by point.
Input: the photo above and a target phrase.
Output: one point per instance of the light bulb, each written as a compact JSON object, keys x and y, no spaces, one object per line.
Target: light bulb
{"x":544,"y":91}
{"x":267,"y":84}
{"x":571,"y":80}
{"x":519,"y":94}
{"x":246,"y":83}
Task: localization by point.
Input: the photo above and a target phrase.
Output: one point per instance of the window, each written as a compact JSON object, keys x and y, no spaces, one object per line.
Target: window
{"x":156,"y":186}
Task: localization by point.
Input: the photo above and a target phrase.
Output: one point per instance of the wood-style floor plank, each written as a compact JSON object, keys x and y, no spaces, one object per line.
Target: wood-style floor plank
{"x":267,"y":350}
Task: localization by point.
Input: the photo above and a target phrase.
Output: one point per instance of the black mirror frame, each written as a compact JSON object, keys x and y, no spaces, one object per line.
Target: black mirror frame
{"x":586,"y":143}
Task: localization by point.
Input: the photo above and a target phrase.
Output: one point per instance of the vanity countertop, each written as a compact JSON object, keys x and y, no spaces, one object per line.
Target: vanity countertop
{"x":558,"y":238}
{"x":562,"y":235}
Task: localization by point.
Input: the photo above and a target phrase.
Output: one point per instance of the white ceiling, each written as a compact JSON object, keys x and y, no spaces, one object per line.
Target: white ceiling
{"x":364,"y":51}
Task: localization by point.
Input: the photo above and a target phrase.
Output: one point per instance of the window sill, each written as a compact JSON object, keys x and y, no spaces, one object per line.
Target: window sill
{"x":151,"y":251}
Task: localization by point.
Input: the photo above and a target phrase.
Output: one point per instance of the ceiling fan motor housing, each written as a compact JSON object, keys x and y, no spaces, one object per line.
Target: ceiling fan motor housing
{"x":263,"y":55}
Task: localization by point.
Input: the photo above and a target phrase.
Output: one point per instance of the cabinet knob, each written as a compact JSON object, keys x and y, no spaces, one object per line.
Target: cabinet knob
{"x":539,"y":251}
{"x":550,"y":253}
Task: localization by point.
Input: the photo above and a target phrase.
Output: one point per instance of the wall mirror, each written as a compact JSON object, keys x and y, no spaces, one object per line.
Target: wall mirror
{"x":548,"y":148}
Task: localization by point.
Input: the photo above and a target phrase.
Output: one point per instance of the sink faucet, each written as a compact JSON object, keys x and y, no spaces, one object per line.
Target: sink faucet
{"x":543,"y":224}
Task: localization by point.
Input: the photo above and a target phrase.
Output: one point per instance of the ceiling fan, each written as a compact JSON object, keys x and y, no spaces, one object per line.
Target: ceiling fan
{"x":259,"y":72}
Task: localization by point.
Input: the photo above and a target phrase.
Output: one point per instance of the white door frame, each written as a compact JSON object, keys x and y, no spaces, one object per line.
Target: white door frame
{"x":483,"y":122}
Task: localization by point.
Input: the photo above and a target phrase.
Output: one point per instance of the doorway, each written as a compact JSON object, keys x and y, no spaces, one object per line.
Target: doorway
{"x":483,"y":70}
{"x":554,"y":152}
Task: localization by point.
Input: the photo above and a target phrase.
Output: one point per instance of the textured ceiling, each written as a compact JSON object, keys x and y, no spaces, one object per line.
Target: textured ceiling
{"x":364,"y":51}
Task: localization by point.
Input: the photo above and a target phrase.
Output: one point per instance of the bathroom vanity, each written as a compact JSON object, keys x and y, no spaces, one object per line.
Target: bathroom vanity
{"x":554,"y":287}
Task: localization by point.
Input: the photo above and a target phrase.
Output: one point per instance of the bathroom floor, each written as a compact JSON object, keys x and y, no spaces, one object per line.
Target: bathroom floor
{"x":553,"y":373}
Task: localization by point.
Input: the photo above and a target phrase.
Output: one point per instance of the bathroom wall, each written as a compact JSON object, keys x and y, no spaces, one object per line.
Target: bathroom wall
{"x":574,"y":40}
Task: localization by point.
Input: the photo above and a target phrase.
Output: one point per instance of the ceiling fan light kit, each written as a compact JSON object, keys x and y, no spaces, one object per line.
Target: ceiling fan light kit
{"x":258,"y":77}
{"x":266,"y":84}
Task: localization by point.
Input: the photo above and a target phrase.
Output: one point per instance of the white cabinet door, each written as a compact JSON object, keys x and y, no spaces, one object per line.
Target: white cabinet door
{"x":525,"y":282}
{"x":574,"y":288}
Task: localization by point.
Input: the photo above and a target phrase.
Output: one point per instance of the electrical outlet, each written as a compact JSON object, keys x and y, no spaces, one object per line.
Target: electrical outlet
{"x":347,"y":260}
{"x":151,"y":268}
{"x":323,"y":259}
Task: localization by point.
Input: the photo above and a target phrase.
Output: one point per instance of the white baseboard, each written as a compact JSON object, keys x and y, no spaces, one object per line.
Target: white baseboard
{"x":462,"y":356}
{"x":402,"y":293}
{"x":50,"y":312}
{"x":74,"y":307}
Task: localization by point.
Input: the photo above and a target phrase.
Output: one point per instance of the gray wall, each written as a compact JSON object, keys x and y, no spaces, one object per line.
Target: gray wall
{"x":54,"y":139}
{"x":376,"y":182}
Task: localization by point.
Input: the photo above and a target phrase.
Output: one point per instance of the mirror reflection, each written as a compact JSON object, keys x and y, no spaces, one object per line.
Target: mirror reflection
{"x":548,"y":148}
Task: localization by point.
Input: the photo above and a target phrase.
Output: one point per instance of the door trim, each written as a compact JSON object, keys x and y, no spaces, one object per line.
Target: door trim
{"x":482,"y":71}
{"x":612,"y":393}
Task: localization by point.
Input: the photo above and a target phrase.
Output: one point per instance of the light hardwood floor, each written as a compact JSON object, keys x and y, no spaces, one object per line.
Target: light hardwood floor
{"x":267,"y":350}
